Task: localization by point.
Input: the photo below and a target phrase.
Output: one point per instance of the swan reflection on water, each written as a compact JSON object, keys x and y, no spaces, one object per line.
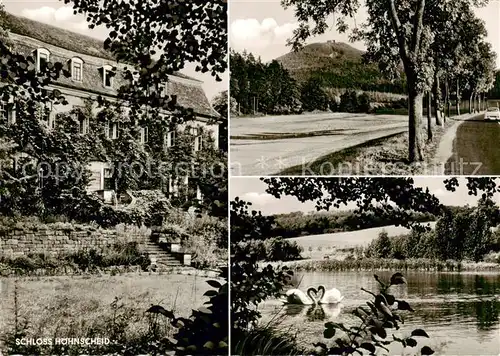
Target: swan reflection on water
{"x":316,"y":312}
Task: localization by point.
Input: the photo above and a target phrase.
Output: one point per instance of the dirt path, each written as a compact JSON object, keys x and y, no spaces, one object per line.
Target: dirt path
{"x":446,"y":146}
{"x":475,"y":149}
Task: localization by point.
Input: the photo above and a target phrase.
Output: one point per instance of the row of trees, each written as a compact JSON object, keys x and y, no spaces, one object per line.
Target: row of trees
{"x":434,"y":41}
{"x":261,"y":87}
{"x":258,"y":87}
{"x":460,"y":235}
{"x":298,"y":224}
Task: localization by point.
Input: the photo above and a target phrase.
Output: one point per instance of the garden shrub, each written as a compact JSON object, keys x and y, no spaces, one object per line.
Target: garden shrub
{"x":279,"y":249}
{"x":349,"y":101}
{"x":364,"y":103}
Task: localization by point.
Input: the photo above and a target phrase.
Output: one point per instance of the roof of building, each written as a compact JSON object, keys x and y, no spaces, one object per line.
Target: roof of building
{"x":190,"y":93}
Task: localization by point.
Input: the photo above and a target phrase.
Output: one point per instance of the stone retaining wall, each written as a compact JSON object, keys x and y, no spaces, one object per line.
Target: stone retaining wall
{"x":58,"y":238}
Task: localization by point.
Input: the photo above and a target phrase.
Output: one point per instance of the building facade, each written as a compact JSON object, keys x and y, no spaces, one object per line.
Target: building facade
{"x":90,"y":67}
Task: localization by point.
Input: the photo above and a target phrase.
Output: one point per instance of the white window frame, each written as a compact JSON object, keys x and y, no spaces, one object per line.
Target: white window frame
{"x":169,"y":139}
{"x":195,"y":131}
{"x":107,"y":68}
{"x":39,"y":53}
{"x":4,"y":110}
{"x":8,"y":111}
{"x":74,"y":61}
{"x":83,"y":123}
{"x":144,"y":134}
{"x":111,"y":130}
{"x":198,"y":143}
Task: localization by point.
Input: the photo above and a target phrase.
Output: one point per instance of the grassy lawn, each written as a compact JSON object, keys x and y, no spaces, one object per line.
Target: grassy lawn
{"x":336,"y":159}
{"x":82,"y":306}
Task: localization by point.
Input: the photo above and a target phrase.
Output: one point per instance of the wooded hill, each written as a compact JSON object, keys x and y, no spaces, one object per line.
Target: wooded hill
{"x":338,"y":65}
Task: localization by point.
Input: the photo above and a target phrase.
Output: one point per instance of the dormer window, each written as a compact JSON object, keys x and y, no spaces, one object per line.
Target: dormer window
{"x":76,"y":69}
{"x":193,"y":131}
{"x":42,"y":58}
{"x":107,"y":76}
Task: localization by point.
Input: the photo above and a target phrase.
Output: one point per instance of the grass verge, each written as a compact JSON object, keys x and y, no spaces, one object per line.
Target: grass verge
{"x":381,"y":156}
{"x":369,"y":264}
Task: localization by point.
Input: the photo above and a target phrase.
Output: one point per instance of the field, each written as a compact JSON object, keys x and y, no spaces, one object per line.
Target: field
{"x":267,"y":145}
{"x":316,"y":247}
{"x":82,"y":306}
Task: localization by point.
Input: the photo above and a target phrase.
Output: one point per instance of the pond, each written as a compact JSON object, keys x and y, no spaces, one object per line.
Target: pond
{"x":459,"y":311}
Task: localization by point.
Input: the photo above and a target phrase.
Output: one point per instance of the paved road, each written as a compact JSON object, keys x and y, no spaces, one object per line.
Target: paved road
{"x":476,"y":149}
{"x":267,"y":145}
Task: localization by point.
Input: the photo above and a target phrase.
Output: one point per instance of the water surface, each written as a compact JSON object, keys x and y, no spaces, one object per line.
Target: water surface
{"x":460,"y":312}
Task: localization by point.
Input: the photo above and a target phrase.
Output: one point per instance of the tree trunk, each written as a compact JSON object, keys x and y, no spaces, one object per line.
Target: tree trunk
{"x":447,"y":95}
{"x":479,"y":102}
{"x":437,"y":98}
{"x":459,"y":98}
{"x":415,"y":102}
{"x":429,"y":116}
{"x":470,"y":104}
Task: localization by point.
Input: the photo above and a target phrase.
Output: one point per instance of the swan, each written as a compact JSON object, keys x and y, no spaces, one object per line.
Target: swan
{"x":330,"y":296}
{"x":296,"y":296}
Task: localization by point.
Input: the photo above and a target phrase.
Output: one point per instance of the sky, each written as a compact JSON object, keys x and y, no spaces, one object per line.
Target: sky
{"x":253,"y":190}
{"x":263,"y":26}
{"x":56,"y":13}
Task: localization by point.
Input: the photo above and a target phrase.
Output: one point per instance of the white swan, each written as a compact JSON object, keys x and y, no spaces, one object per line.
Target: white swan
{"x":330,"y":296}
{"x":296,"y":296}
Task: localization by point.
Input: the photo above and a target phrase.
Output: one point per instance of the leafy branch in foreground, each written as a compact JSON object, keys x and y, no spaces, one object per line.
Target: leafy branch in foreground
{"x":205,"y":332}
{"x":375,"y":320}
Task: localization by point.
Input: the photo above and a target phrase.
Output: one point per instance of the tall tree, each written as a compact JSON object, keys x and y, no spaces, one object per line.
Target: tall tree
{"x":395,"y":32}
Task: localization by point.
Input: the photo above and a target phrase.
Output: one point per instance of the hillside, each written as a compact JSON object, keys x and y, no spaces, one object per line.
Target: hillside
{"x":339,"y":65}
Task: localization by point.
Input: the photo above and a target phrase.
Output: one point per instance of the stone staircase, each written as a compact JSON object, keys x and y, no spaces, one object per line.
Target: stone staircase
{"x":162,"y":257}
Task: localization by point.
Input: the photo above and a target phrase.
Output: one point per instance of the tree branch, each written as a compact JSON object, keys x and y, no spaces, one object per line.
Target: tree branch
{"x":418,"y":26}
{"x":17,"y":180}
{"x":396,"y":23}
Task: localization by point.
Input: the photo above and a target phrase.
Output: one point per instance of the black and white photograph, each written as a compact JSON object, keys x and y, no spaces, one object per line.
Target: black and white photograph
{"x":113,"y":177}
{"x":251,"y":178}
{"x":399,"y":87}
{"x":365,"y":266}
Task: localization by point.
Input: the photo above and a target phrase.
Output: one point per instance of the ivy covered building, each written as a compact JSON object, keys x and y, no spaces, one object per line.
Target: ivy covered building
{"x":91,"y":76}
